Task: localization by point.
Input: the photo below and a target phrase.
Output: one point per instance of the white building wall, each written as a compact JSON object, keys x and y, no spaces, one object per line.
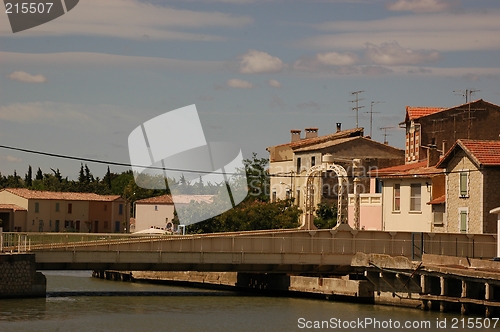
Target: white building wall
{"x":406,"y":220}
{"x":152,"y":215}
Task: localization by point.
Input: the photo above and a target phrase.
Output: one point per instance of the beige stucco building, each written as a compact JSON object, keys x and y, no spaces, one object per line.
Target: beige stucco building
{"x":290,"y":162}
{"x":25,"y":210}
{"x":410,"y":193}
{"x":158,"y":212}
{"x":472,"y":186}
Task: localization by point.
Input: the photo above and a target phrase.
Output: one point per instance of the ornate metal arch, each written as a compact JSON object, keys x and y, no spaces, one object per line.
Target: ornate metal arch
{"x":343,"y":185}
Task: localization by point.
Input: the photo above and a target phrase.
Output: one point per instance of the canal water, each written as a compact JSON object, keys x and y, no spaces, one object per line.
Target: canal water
{"x":78,"y":302}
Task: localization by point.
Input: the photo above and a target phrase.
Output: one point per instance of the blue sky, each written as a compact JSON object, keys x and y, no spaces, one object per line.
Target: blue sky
{"x":255,"y":69}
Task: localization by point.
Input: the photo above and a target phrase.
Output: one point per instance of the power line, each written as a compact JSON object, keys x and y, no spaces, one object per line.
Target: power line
{"x":105,"y":162}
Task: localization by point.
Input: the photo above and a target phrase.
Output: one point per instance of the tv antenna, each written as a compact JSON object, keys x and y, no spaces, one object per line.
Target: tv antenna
{"x":467,"y":93}
{"x":371,"y":114}
{"x":357,"y":106}
{"x":386,"y":134}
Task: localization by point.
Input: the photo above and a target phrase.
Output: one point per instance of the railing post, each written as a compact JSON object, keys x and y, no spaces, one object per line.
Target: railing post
{"x":1,"y":239}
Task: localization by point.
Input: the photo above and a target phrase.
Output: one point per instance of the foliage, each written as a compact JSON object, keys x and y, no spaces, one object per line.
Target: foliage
{"x":326,"y":216}
{"x":251,"y":215}
{"x":255,"y":212}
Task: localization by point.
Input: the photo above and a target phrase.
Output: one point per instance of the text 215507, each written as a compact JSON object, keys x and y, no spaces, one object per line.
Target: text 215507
{"x":28,"y":8}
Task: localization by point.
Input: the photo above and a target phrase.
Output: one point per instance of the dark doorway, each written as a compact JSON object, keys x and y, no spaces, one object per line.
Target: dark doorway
{"x":5,"y":216}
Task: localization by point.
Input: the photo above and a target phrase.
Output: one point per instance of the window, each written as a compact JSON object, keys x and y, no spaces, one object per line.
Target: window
{"x":438,"y":211}
{"x":117,"y":226}
{"x":287,"y":194}
{"x":298,"y":165}
{"x":37,"y":207}
{"x":396,"y":205}
{"x":57,"y":207}
{"x":464,"y":216}
{"x":120,"y":209}
{"x":415,"y":197}
{"x":464,"y":183}
{"x":378,"y":186}
{"x":156,"y":207}
{"x":273,"y":199}
{"x":313,"y":161}
{"x":70,"y":208}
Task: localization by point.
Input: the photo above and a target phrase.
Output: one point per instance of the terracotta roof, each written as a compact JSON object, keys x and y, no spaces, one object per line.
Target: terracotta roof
{"x":320,"y":139}
{"x":179,"y":199}
{"x":11,"y":207}
{"x":341,"y":141}
{"x":481,"y":152}
{"x":163,"y":199}
{"x":413,"y":170}
{"x":439,"y":200}
{"x":415,"y":112}
{"x":57,"y":195}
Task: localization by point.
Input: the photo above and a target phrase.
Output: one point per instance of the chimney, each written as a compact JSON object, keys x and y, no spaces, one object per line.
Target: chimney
{"x":311,"y":132}
{"x":432,"y":156}
{"x":443,"y":148}
{"x":295,"y":135}
{"x":339,"y":126}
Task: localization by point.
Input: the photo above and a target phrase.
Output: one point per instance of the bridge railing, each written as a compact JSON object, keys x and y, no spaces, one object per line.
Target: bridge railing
{"x":293,"y":242}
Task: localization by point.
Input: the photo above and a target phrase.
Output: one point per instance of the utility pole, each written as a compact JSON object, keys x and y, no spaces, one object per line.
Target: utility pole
{"x":371,"y":114}
{"x":357,"y":106}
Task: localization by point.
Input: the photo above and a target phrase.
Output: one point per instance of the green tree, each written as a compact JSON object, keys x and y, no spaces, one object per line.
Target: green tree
{"x":39,"y":174}
{"x":257,"y":177}
{"x":28,"y":179}
{"x":326,"y":216}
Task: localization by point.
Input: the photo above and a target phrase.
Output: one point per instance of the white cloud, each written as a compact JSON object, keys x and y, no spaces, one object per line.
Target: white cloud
{"x":22,"y":76}
{"x":275,"y":83}
{"x":239,"y":84}
{"x":390,"y":54}
{"x":421,"y":6}
{"x":12,"y":159}
{"x":254,"y":62}
{"x":442,"y":31}
{"x":322,"y":61}
{"x":337,"y":59}
{"x":85,"y":60}
{"x":135,"y":19}
{"x":78,"y":116}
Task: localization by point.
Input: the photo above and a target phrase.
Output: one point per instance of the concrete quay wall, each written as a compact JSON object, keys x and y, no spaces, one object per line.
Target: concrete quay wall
{"x":351,"y":290}
{"x":19,"y":278}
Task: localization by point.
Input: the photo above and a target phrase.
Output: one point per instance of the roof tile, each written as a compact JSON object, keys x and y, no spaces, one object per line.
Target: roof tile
{"x":69,"y":196}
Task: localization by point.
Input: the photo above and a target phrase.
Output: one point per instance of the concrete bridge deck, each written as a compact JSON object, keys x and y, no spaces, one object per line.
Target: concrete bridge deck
{"x":277,"y":251}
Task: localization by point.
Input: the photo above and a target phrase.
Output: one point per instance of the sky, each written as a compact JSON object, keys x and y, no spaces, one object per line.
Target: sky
{"x":80,"y":84}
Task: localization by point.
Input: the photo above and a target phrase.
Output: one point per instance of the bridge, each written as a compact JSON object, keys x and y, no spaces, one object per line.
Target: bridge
{"x":273,"y":251}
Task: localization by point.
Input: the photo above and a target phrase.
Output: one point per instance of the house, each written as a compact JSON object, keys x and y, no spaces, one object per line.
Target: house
{"x":439,"y":126}
{"x":411,"y":194}
{"x":472,"y":186}
{"x":290,"y":163}
{"x":158,"y":212}
{"x":415,"y":195}
{"x":25,"y":210}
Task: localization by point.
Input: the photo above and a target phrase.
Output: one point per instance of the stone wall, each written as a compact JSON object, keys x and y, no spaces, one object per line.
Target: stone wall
{"x":472,"y":202}
{"x":18,"y":277}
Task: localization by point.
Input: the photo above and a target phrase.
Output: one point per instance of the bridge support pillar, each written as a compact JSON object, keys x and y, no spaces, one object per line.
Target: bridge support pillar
{"x":19,"y":278}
